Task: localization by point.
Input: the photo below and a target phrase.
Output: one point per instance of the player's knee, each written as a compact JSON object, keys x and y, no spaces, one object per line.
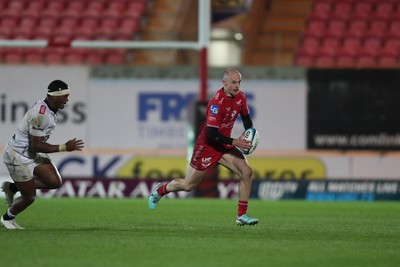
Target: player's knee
{"x":188,"y":187}
{"x":54,"y":183}
{"x":247,"y":173}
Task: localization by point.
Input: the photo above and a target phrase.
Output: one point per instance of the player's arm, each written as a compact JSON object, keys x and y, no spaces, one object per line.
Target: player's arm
{"x":247,"y":122}
{"x":38,"y":144}
{"x":215,"y":135}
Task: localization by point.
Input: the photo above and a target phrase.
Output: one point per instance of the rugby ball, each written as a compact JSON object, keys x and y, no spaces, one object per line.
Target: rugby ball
{"x":250,"y":134}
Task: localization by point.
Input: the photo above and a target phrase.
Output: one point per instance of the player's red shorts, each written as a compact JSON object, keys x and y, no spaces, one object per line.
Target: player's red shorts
{"x":204,"y":156}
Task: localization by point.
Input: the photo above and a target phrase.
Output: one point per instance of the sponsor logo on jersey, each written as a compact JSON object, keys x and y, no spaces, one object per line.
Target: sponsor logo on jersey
{"x":214,"y":109}
{"x":206,"y":162}
{"x":42,"y":109}
{"x":233,"y":113}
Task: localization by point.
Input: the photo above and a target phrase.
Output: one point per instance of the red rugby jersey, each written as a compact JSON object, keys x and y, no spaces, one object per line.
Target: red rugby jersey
{"x":222,"y":112}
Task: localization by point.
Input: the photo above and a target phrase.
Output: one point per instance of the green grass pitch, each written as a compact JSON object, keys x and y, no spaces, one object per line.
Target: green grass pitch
{"x":202,"y":232}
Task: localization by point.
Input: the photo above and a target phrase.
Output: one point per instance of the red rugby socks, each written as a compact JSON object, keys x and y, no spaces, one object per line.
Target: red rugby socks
{"x":162,"y":190}
{"x":242,"y":207}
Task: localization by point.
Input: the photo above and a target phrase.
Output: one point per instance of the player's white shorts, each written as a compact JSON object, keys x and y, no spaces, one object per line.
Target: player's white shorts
{"x":20,"y":167}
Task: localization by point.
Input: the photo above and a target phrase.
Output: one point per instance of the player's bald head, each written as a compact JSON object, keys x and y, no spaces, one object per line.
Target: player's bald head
{"x":227,"y":75}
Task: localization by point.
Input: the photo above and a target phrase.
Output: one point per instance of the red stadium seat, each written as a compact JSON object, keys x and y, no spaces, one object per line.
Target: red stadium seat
{"x":75,"y":56}
{"x":115,"y":57}
{"x":11,"y":13}
{"x":97,"y":6}
{"x":357,"y":25}
{"x":352,"y":43}
{"x":48,"y":23}
{"x":61,"y":40}
{"x":377,"y":28}
{"x":325,"y":62}
{"x":95,"y":57}
{"x":332,"y":42}
{"x":53,"y":9}
{"x":389,"y":51}
{"x":346,"y":56}
{"x":366,"y":61}
{"x":304,"y":61}
{"x":342,"y":9}
{"x":367,"y":55}
{"x":72,"y":13}
{"x":60,"y":21}
{"x":315,"y":28}
{"x":68,"y":22}
{"x":14,"y":55}
{"x":117,"y":5}
{"x":343,"y":61}
{"x":326,"y":55}
{"x":321,"y":9}
{"x":336,"y":28}
{"x":389,"y":56}
{"x":76,"y":5}
{"x":394,"y":29}
{"x":126,"y":30}
{"x":388,"y":62}
{"x":365,"y":7}
{"x":392,"y":43}
{"x":9,"y":22}
{"x":34,"y":56}
{"x":43,"y":32}
{"x":309,"y":46}
{"x":385,"y":7}
{"x":5,"y":32}
{"x":91,"y":23}
{"x":362,"y":9}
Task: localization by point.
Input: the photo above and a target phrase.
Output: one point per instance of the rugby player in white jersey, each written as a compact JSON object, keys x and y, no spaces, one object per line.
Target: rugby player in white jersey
{"x":25,"y":155}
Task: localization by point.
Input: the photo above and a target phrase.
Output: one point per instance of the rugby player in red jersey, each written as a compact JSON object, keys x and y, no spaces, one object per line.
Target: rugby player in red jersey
{"x":214,"y":145}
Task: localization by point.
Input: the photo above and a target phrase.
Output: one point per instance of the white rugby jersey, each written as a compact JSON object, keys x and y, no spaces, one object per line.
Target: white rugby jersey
{"x":39,"y":120}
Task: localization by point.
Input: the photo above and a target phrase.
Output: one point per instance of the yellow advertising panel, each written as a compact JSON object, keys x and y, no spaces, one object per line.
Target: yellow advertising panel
{"x":282,"y":168}
{"x":154,"y":168}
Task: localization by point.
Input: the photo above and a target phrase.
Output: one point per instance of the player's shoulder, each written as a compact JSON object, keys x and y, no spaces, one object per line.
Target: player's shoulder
{"x":217,"y":96}
{"x":40,"y":108}
{"x":241,"y":94}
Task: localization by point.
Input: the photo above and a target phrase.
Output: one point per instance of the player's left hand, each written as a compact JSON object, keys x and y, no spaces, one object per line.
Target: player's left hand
{"x":74,"y":144}
{"x":242,"y":144}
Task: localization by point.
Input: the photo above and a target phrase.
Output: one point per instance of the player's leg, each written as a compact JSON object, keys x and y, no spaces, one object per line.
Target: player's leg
{"x":28,"y":194}
{"x":191,"y":180}
{"x":237,"y":162}
{"x":47,"y":176}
